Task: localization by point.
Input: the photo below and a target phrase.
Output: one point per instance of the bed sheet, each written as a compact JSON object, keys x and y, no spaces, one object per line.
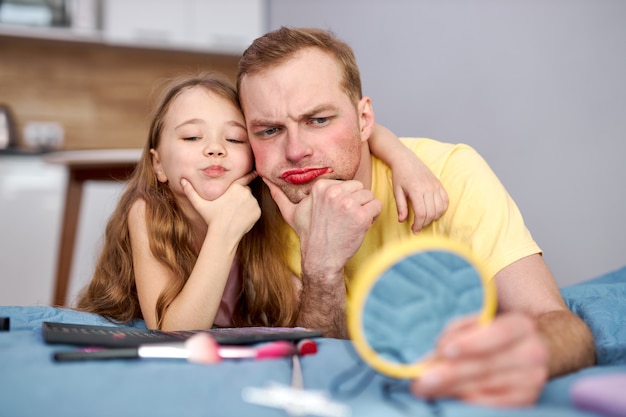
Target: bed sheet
{"x":31,"y":384}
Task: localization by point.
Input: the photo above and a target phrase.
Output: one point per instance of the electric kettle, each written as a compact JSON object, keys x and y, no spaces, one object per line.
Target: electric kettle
{"x":8,"y":134}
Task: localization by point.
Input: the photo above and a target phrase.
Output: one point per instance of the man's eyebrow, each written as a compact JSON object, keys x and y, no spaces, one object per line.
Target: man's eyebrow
{"x":261,"y":122}
{"x":316,"y":110}
{"x":303,"y":116}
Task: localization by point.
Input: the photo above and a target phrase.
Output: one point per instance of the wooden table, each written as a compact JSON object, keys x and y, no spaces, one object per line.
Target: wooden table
{"x":84,"y":165}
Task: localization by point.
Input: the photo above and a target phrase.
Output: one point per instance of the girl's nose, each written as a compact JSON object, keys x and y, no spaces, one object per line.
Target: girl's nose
{"x":214,"y":149}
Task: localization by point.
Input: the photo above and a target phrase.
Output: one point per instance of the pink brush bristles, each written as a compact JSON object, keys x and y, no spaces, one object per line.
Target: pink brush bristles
{"x":202,"y":349}
{"x":279,"y":349}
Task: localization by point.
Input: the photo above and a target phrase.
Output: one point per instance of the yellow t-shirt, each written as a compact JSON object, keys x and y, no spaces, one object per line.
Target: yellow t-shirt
{"x":481,"y":214}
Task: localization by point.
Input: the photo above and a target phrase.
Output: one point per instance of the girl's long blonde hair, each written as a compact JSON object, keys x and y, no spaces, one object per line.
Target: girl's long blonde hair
{"x":268,"y":296}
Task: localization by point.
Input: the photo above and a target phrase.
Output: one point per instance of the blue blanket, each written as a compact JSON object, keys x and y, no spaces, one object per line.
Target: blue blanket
{"x":34,"y":385}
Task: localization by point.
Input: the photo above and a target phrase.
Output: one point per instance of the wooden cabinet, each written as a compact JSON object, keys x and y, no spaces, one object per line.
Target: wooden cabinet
{"x":100,"y":84}
{"x":102,"y":95}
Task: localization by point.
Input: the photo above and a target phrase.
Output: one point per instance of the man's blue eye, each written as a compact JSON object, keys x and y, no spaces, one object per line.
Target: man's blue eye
{"x":318,"y":121}
{"x":267,"y":132}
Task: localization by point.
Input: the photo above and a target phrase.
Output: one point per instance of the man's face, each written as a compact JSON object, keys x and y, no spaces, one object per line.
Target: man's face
{"x":301,"y":124}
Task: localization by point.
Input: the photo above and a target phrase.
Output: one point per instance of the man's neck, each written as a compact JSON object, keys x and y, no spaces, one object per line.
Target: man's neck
{"x":364,"y":173}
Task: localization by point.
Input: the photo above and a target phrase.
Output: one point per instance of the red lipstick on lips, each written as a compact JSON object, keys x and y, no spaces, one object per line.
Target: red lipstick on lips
{"x":214,"y":171}
{"x":303,"y":176}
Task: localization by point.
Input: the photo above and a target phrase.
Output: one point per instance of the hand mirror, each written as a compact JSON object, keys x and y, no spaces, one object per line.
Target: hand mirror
{"x":403,"y":297}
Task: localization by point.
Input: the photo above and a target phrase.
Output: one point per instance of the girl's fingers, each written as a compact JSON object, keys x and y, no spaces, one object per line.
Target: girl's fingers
{"x":189,"y":191}
{"x":286,"y":207}
{"x":401,"y":203}
{"x":246,"y":179}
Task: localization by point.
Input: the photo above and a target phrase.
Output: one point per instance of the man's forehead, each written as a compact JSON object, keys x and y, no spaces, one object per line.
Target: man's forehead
{"x":296,"y":87}
{"x":311,"y":64}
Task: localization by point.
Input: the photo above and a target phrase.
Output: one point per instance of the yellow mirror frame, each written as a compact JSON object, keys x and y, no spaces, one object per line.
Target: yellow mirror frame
{"x":368,"y":274}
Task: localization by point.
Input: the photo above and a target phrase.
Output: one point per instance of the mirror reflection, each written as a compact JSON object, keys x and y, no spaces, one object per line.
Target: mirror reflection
{"x":404,"y":305}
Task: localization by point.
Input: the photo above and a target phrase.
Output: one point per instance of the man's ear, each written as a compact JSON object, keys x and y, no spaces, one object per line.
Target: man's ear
{"x":156,"y":166}
{"x":367,"y":121}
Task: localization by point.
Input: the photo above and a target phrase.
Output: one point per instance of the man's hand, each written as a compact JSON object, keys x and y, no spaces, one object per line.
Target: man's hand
{"x":331,"y":223}
{"x":503,"y":363}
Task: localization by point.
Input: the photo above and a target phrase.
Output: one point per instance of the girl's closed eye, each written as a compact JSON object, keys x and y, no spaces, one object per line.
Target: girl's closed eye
{"x":190,"y":133}
{"x":235,"y":140}
{"x":243,"y":139}
{"x":236,"y":135}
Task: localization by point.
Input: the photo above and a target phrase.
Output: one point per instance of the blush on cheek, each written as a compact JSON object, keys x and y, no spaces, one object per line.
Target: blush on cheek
{"x":260,"y":167}
{"x":261,"y":173}
{"x":258,"y":154}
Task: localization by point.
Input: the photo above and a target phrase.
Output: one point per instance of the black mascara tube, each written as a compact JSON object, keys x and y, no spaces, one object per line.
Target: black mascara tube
{"x":96,"y":354}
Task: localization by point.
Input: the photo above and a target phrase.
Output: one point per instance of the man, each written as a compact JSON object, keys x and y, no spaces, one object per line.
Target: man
{"x":309,"y":124}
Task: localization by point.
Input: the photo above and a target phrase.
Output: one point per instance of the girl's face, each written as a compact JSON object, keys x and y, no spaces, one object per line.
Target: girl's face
{"x":204,"y":140}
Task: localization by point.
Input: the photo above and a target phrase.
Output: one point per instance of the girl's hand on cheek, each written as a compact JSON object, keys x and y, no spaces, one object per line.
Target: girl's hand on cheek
{"x":247,"y":179}
{"x":201,"y":205}
{"x":234,"y":212}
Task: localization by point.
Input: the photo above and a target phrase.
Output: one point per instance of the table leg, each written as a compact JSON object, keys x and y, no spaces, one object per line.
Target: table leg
{"x":73,"y":196}
{"x":77,"y":175}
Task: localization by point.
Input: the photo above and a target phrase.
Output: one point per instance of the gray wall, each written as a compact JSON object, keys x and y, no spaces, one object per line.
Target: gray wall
{"x":536,"y":86}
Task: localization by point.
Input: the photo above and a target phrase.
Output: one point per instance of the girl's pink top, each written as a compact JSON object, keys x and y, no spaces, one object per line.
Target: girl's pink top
{"x":224,"y":317}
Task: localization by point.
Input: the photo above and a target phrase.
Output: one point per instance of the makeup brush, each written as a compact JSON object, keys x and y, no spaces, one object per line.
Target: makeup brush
{"x":200,"y":348}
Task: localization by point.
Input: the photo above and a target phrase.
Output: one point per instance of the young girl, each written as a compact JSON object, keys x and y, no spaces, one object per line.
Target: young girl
{"x":193,"y":242}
